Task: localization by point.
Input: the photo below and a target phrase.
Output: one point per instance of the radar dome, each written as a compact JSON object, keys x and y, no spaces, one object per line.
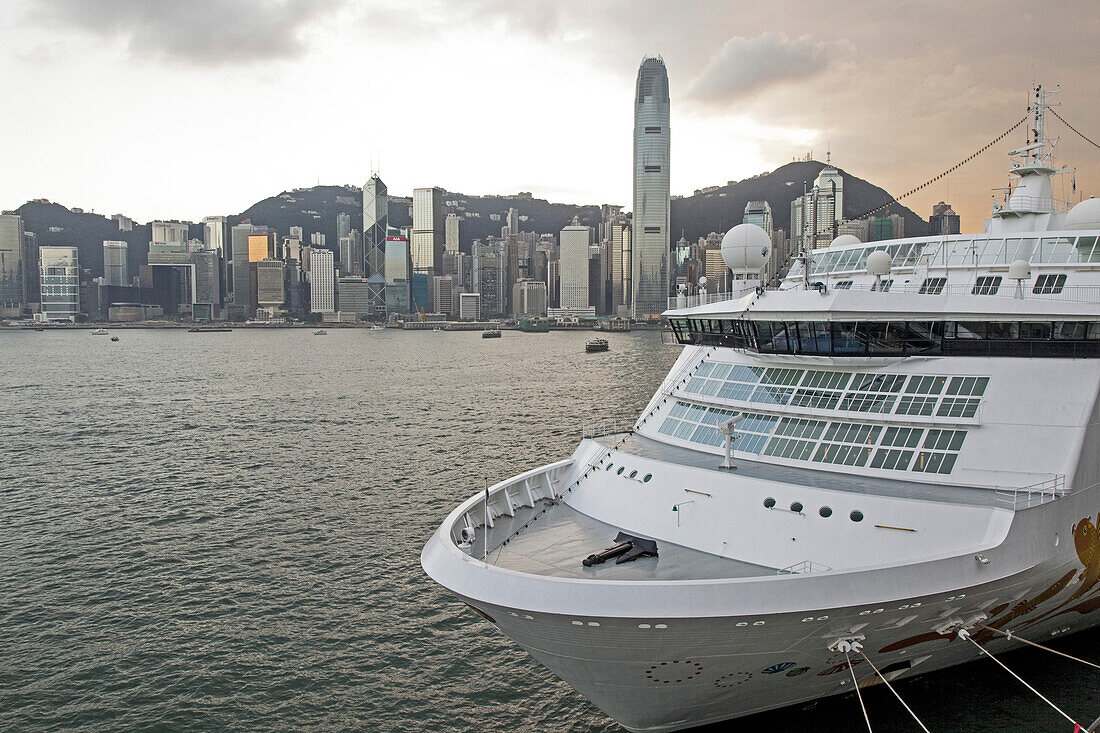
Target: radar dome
{"x":1085,"y":215}
{"x":746,"y":248}
{"x":878,"y":262}
{"x":844,"y":240}
{"x":1019,"y":270}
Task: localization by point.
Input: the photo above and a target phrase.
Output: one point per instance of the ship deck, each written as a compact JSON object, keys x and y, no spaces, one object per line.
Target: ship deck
{"x":644,"y":447}
{"x":564,"y":537}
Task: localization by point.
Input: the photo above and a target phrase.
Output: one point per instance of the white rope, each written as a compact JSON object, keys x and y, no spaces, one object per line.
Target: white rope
{"x":883,"y":678}
{"x":1010,"y":635}
{"x":963,"y":634}
{"x":858,"y":694}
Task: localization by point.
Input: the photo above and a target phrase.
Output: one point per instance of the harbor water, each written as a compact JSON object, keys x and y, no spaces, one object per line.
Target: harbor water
{"x":222,"y":531}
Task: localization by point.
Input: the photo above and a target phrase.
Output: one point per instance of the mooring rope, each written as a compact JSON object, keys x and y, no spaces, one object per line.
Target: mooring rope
{"x":964,"y":634}
{"x":858,"y":693}
{"x":1010,"y":635}
{"x":887,"y":682}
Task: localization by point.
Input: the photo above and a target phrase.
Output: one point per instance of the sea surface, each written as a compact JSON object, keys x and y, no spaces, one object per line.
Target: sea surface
{"x":222,"y":532}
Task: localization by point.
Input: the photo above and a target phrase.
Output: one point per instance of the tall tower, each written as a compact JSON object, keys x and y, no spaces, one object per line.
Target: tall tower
{"x":650,"y":240}
{"x":375,"y":221}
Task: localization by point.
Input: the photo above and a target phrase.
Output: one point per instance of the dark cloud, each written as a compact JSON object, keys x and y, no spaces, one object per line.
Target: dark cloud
{"x":745,"y":67}
{"x":199,"y":32}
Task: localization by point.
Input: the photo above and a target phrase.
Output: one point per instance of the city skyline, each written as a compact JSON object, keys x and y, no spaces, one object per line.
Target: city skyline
{"x":746,"y":97}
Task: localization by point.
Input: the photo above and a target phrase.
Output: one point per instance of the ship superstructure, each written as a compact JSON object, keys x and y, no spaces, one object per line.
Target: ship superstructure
{"x":901,"y":442}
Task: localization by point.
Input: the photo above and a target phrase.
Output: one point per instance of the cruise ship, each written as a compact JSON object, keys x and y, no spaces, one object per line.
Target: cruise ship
{"x":886,"y":466}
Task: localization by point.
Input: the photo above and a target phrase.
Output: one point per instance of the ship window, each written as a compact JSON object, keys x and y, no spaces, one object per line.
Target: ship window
{"x":825,"y":511}
{"x":1035,"y":331}
{"x":620,"y":471}
{"x":1070,"y":330}
{"x":987,"y":285}
{"x":856,"y":515}
{"x":647,"y":478}
{"x":1049,"y":284}
{"x":796,"y":507}
{"x":885,"y":285}
{"x":769,"y":503}
{"x":932,"y":285}
{"x":844,"y":285}
{"x":633,"y":474}
{"x":612,"y":465}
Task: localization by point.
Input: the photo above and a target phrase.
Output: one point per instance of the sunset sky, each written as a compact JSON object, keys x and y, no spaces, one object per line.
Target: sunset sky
{"x":201,"y":107}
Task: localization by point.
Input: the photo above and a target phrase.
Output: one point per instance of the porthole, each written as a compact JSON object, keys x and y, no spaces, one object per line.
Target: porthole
{"x":825,"y":511}
{"x":610,"y":466}
{"x":633,"y":474}
{"x":856,"y":515}
{"x":796,"y":507}
{"x":648,"y":476}
{"x":769,"y":503}
{"x":620,"y":471}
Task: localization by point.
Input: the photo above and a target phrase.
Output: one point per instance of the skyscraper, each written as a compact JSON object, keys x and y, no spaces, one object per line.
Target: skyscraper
{"x":11,"y":262}
{"x":213,"y":228}
{"x":322,"y":281}
{"x":397,"y":271}
{"x":375,"y":222}
{"x":172,"y":232}
{"x":59,"y":271}
{"x":343,"y":228}
{"x":115,"y":270}
{"x":650,"y":241}
{"x":451,"y":238}
{"x":427,"y":231}
{"x":574,"y":267}
{"x":819,"y":213}
{"x":241,"y":281}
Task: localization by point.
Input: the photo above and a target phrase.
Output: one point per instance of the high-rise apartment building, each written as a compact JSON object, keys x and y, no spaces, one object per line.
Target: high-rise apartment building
{"x":818,"y":214}
{"x":375,"y":224}
{"x":12,"y":266}
{"x":450,"y":240}
{"x":574,"y":267}
{"x":116,"y":272}
{"x":59,"y":273}
{"x":650,"y":245}
{"x":322,"y":281}
{"x":427,"y":231}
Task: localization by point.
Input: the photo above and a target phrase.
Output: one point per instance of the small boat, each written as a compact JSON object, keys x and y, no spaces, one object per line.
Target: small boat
{"x":209,"y":329}
{"x":114,"y":338}
{"x":534,"y":325}
{"x":437,"y":330}
{"x":490,"y":333}
{"x":596,"y":345}
{"x":376,"y":327}
{"x":99,"y":332}
{"x":320,"y":332}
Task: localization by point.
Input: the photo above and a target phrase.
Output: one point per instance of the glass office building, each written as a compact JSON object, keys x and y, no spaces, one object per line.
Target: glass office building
{"x":650,"y":240}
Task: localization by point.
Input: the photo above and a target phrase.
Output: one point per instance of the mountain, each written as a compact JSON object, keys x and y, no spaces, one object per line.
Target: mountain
{"x":315,"y":210}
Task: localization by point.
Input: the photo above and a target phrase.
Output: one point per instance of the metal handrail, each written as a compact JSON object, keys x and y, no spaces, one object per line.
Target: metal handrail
{"x":1028,"y":496}
{"x":806,"y":566}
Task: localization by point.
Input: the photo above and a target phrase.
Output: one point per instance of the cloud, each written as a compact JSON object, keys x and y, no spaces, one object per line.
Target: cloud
{"x":744,"y":67}
{"x":197,"y":32}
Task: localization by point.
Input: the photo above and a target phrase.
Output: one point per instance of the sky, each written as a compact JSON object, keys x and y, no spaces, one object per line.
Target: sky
{"x":199,"y":107}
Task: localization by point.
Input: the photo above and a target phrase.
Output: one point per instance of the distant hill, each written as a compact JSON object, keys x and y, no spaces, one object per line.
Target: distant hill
{"x":718,"y":210}
{"x":315,"y":210}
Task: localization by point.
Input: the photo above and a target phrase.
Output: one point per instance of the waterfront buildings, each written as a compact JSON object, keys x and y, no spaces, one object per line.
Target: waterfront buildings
{"x":443,"y":294}
{"x":650,"y":251}
{"x":170,"y":232}
{"x":116,"y":272}
{"x":469,"y":306}
{"x":352,"y":259}
{"x":450,"y":240}
{"x":530,"y":298}
{"x":214,"y":233}
{"x":59,"y":274}
{"x":398,"y":273}
{"x":270,"y":284}
{"x":353,"y":295}
{"x":322,"y":281}
{"x":488,"y":278}
{"x":238,"y":237}
{"x":375,"y":224}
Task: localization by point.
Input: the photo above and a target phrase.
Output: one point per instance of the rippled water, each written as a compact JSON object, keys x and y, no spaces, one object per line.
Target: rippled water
{"x":222,"y":532}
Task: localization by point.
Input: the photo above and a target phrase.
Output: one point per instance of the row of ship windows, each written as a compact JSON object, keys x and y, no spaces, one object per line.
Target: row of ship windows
{"x":829,"y":390}
{"x":819,"y":441}
{"x":1048,"y":284}
{"x":855,"y":515}
{"x":633,"y":474}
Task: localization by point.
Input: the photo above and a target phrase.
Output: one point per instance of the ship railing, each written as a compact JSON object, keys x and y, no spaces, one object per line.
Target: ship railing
{"x":1018,"y":203}
{"x":606,"y":427}
{"x":806,"y":566}
{"x":1023,"y":497}
{"x":703,"y":298}
{"x":1070,"y":293}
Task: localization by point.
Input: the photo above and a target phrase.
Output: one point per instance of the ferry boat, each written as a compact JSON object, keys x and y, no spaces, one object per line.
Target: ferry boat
{"x":887,"y":466}
{"x":595,"y":345}
{"x":99,"y":332}
{"x":490,"y":333}
{"x":320,"y":332}
{"x":209,"y":329}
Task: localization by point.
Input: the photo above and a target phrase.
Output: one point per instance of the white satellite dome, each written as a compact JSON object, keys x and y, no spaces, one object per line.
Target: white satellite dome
{"x":1019,"y":270}
{"x":879,"y":262}
{"x":1085,"y":215}
{"x":844,"y":240}
{"x":746,"y":248}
